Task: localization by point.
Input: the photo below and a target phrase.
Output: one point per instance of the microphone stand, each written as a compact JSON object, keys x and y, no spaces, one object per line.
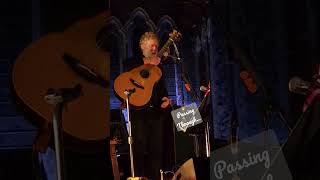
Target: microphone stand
{"x":59,"y":98}
{"x":203,"y":104}
{"x":130,"y":139}
{"x":194,"y":97}
{"x":207,"y":137}
{"x":184,"y":77}
{"x":57,"y":101}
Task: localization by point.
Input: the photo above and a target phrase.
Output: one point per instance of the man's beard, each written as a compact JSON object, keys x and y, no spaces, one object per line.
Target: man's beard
{"x":150,"y":55}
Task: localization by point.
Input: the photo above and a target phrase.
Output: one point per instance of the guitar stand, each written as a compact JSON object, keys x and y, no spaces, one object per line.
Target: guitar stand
{"x":130,"y":139}
{"x":59,"y":98}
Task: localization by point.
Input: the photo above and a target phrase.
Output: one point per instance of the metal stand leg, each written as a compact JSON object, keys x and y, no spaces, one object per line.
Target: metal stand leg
{"x":195,"y":144}
{"x":58,"y":141}
{"x":207,"y":136}
{"x":130,"y":139}
{"x":59,"y":98}
{"x":57,"y":101}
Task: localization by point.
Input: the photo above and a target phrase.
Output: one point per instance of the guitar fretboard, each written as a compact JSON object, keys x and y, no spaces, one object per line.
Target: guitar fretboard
{"x":165,"y":47}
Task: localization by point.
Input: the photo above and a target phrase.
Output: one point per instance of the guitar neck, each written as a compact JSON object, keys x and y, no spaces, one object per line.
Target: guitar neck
{"x":165,"y":47}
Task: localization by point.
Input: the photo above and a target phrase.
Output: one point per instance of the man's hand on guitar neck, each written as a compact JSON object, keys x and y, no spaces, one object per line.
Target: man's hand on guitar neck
{"x":165,"y":102}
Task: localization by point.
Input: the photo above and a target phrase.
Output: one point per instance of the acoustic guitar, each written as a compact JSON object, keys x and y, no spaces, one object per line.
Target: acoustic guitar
{"x":140,"y":80}
{"x":64,"y":60}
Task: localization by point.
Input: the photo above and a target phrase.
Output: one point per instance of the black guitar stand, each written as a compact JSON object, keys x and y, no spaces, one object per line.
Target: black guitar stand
{"x":59,"y":98}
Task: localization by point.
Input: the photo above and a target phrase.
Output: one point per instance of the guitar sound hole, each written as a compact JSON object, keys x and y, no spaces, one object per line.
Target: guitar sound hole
{"x":144,"y":73}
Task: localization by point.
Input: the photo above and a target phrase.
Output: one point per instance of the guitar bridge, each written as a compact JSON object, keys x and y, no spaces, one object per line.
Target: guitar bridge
{"x":136,"y":83}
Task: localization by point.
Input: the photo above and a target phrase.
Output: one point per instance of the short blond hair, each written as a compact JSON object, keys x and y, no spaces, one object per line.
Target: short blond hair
{"x":146,"y":36}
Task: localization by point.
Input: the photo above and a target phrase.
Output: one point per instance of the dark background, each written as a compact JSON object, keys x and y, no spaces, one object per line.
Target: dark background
{"x":279,"y":40}
{"x":280,"y":37}
{"x":23,"y":22}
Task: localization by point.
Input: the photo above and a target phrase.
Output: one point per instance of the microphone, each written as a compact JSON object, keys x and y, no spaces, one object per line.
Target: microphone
{"x":299,"y":86}
{"x":204,"y":89}
{"x":176,"y":60}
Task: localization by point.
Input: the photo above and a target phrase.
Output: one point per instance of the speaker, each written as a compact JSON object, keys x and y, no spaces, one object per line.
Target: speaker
{"x":193,"y":169}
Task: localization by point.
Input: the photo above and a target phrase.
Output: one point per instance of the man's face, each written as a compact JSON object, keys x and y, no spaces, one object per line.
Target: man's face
{"x":150,"y":48}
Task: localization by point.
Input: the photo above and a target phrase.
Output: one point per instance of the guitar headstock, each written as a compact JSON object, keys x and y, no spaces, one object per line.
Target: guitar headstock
{"x":175,"y":35}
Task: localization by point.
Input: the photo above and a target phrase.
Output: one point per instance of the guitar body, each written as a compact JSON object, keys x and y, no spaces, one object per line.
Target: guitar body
{"x":143,"y":87}
{"x":41,"y":66}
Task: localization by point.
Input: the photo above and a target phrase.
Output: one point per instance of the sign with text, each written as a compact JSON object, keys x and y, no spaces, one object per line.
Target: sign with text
{"x":186,"y":116}
{"x":255,"y":158}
